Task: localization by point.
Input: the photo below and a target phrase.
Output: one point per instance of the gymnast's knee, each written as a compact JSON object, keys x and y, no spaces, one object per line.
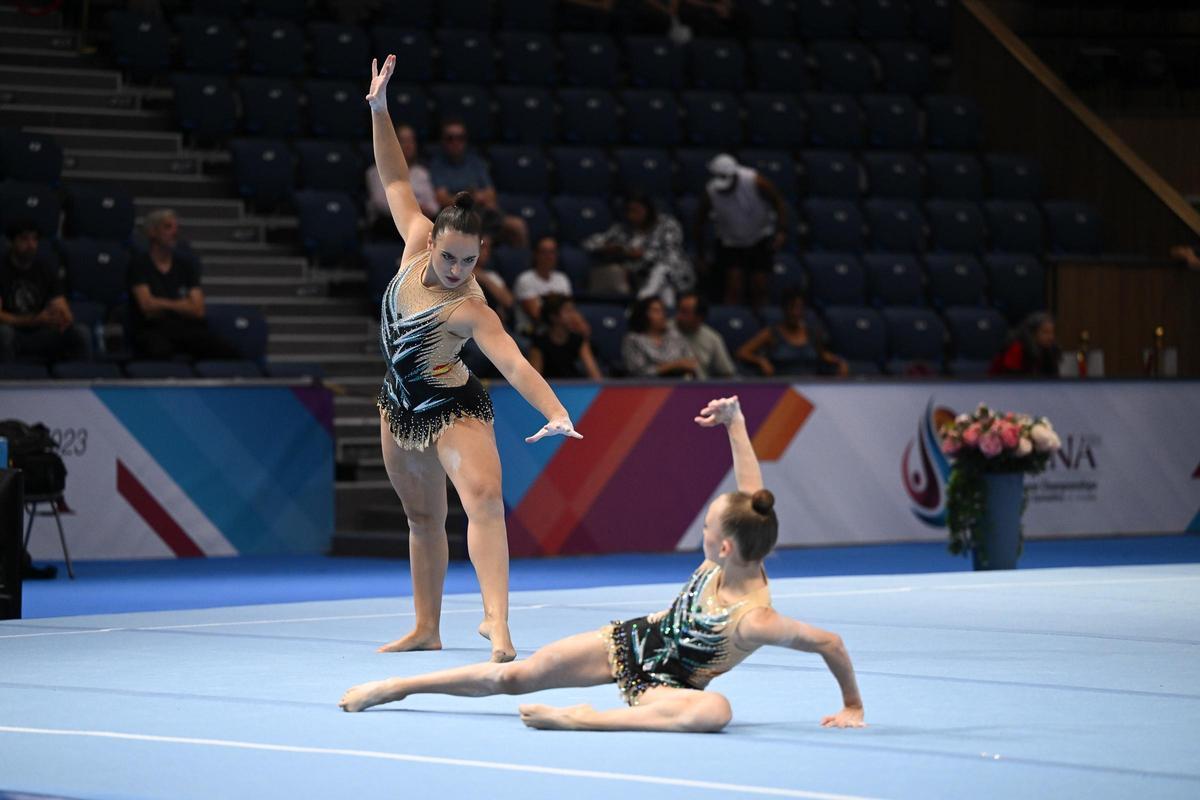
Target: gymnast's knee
{"x":514,"y":677}
{"x":708,"y":713}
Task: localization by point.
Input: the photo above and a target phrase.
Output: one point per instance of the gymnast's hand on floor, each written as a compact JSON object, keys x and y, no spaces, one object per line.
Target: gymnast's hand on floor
{"x":721,"y":411}
{"x":848,"y":717}
{"x":560,"y":426}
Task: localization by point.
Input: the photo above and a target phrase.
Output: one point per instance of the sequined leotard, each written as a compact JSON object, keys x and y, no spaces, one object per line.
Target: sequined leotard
{"x":685,"y":647}
{"x":427,"y":387}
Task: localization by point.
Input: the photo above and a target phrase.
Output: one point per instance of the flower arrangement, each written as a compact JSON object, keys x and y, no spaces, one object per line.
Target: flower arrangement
{"x":988,"y":442}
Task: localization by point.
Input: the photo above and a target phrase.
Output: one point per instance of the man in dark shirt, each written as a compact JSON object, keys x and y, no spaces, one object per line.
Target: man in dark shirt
{"x":35,"y":320}
{"x":168,"y":303}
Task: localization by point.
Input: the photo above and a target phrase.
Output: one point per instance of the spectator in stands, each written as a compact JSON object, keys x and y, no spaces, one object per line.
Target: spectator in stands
{"x":455,"y":168}
{"x":653,"y":348}
{"x":543,"y":279}
{"x":751,"y":220}
{"x":645,"y":251}
{"x":559,"y":349}
{"x":1033,"y":351}
{"x":707,"y":345}
{"x":167,"y":312}
{"x":379,"y":216}
{"x":35,"y":318}
{"x":494,"y":288}
{"x":792,"y":348}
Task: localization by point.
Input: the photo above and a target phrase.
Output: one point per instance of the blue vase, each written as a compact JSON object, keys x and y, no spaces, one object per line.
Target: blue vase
{"x":1001,"y":523}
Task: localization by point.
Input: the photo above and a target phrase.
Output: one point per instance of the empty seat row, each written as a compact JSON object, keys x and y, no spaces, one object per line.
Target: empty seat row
{"x":93,"y":210}
{"x":156,"y":370}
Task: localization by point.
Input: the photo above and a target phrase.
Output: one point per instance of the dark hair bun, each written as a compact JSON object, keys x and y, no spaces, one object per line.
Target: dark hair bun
{"x":465,"y":201}
{"x":762,"y":501}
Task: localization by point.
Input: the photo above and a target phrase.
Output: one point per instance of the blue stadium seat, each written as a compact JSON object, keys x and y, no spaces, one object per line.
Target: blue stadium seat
{"x":20,"y":371}
{"x":33,"y":157}
{"x":768,"y":18}
{"x":692,"y":163}
{"x":264,"y":170}
{"x":86,"y":371}
{"x":580,"y":217}
{"x":382,"y":261}
{"x":335,"y":110}
{"x":519,"y":169}
{"x":893,"y":121}
{"x":467,"y":55}
{"x":1018,"y":283}
{"x":219,"y":369}
{"x":955,"y":279}
{"x":465,"y":14}
{"x":576,"y":264}
{"x":270,"y":107}
{"x":99,"y":212}
{"x":159,"y":370}
{"x":589,"y":116}
{"x":778,"y":167}
{"x":510,"y":262}
{"x":293,"y":10}
{"x":204,"y":105}
{"x":338,"y":50}
{"x":582,"y":170}
{"x":37,"y":202}
{"x":834,"y":120}
{"x":713,"y":119}
{"x":534,"y":210}
{"x":526,"y":115}
{"x":244,"y":327}
{"x":1016,"y":227}
{"x":528,"y":59}
{"x":471,"y":104}
{"x":896,"y":175}
{"x":410,"y":105}
{"x":845,"y":66}
{"x":328,"y":224}
{"x":217,"y":8}
{"x":906,"y":66}
{"x":654,"y":62}
{"x":952,"y":122}
{"x":831,"y":173}
{"x":954,"y":176}
{"x":915,"y":336}
{"x":882,"y":19}
{"x":1074,"y":227}
{"x":418,"y":14}
{"x":977,"y":336}
{"x":330,"y":166}
{"x":651,"y":117}
{"x":736,"y":324}
{"x":826,"y":19}
{"x":957,"y":225}
{"x":96,"y":271}
{"x":645,"y":170}
{"x":895,"y":279}
{"x":1012,"y":177}
{"x":609,"y":325}
{"x":297,"y":370}
{"x":787,"y":273}
{"x":206,"y":44}
{"x":717,"y":64}
{"x":140,"y":43}
{"x":896,"y":225}
{"x":835,"y":279}
{"x":833,"y":225}
{"x":413,"y":49}
{"x":589,"y":59}
{"x":774,"y":120}
{"x":933,"y":21}
{"x":528,"y":15}
{"x":858,"y":335}
{"x":778,"y":66}
{"x":274,"y":47}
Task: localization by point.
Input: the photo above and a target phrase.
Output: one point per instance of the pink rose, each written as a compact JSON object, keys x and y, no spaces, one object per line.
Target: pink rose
{"x":970,"y":436}
{"x":990,"y":444}
{"x":1009,"y":434}
{"x":951,"y":445}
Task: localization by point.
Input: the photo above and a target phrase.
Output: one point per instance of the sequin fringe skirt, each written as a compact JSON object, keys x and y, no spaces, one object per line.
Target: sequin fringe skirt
{"x":417,"y":430}
{"x":631,"y":679}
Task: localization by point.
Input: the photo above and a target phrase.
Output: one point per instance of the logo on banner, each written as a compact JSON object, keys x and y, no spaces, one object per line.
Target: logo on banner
{"x":925,"y":469}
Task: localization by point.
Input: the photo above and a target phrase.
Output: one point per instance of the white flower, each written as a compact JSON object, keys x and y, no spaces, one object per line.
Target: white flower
{"x":962,"y":419}
{"x":1024,"y":447}
{"x":1044,"y":438}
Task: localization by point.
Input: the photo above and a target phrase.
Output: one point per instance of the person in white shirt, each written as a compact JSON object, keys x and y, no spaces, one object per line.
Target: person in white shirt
{"x":534,"y":284}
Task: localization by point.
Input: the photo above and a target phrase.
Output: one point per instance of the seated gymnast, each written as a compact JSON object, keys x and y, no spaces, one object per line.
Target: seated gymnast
{"x":662,"y":663}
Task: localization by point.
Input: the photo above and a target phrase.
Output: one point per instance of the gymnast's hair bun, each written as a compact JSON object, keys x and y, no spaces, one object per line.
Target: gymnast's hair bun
{"x":465,"y":201}
{"x":762,"y":501}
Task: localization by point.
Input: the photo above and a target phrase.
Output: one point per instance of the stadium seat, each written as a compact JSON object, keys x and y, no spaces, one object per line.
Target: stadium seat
{"x":609,"y":325}
{"x":526,"y":115}
{"x":906,"y":67}
{"x":264,"y":170}
{"x":713,"y":119}
{"x":1013,"y":177}
{"x":335,"y":110}
{"x":293,"y":10}
{"x":893,"y":121}
{"x":20,"y":371}
{"x":692,"y":163}
{"x":589,"y":117}
{"x":835,"y":279}
{"x":768,"y":18}
{"x":86,"y":371}
{"x":410,"y":105}
{"x":96,"y":271}
{"x":1016,"y":227}
{"x":932,"y":20}
{"x":519,"y":169}
{"x":510,"y":262}
{"x":466,"y":14}
{"x":589,"y":59}
{"x":270,"y":107}
{"x":896,"y":225}
{"x":955,"y":279}
{"x":274,"y":47}
{"x":576,"y":264}
{"x":957,"y":225}
{"x":778,"y":66}
{"x":140,"y":43}
{"x":99,"y":212}
{"x":655,"y":63}
{"x":834,"y":120}
{"x":1018,"y":283}
{"x":582,"y":170}
{"x":296,"y":370}
{"x":826,"y":19}
{"x":895,"y":175}
{"x":895,"y":279}
{"x":467,"y":55}
{"x":227,"y":369}
{"x":33,"y":157}
{"x":845,"y":66}
{"x":382,"y":260}
{"x":778,"y":167}
{"x":339,"y":50}
{"x":159,"y":370}
{"x":651,"y":117}
{"x":532,"y":209}
{"x":217,"y":8}
{"x":833,"y":224}
{"x":954,"y":176}
{"x":786,"y":274}
{"x":330,"y":166}
{"x":882,"y":19}
{"x":736,"y":324}
{"x":717,"y":65}
{"x":471,"y":104}
{"x":858,"y":335}
{"x":1074,"y":227}
{"x":774,"y":120}
{"x":645,"y":170}
{"x":580,"y":217}
{"x":36,"y":202}
{"x":244,"y":327}
{"x":528,"y":15}
{"x":206,"y":44}
{"x":528,"y":59}
{"x":977,"y":336}
{"x":831,"y":173}
{"x":328,"y":223}
{"x":204,"y":105}
{"x":413,"y":49}
{"x":915,"y":336}
{"x":952,"y":122}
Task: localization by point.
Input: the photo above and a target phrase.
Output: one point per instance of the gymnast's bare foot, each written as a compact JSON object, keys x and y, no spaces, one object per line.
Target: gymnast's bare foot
{"x":496,"y":632}
{"x":417,"y":640}
{"x":549,"y":718}
{"x":370,"y":694}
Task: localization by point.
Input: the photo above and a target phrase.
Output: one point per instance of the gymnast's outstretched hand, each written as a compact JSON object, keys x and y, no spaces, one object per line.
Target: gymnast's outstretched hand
{"x":848,"y":717}
{"x":377,"y":94}
{"x":559,"y":426}
{"x":721,"y":411}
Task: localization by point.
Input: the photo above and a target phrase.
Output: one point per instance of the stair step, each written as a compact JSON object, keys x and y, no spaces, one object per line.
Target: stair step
{"x":253,"y":286}
{"x":66,"y":116}
{"x":356,"y":426}
{"x":211,"y":247}
{"x":140,"y":185}
{"x":342,"y":365}
{"x":25,"y":75}
{"x":292,"y":306}
{"x":255,"y":266}
{"x":56,"y":96}
{"x":52,"y":58}
{"x":118,"y":140}
{"x":144,"y":162}
{"x":12,"y":17}
{"x":191,"y":207}
{"x":315,"y":343}
{"x":38,"y":38}
{"x":356,"y":448}
{"x":336,"y":326}
{"x":210,"y":231}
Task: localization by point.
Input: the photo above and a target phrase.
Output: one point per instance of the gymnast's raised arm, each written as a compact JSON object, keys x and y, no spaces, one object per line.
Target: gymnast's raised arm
{"x":411,"y":222}
{"x":728,"y":412}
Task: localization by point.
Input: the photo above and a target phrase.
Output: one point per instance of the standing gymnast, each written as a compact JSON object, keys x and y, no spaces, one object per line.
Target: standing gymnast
{"x":661,"y":663}
{"x":435,"y":416}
